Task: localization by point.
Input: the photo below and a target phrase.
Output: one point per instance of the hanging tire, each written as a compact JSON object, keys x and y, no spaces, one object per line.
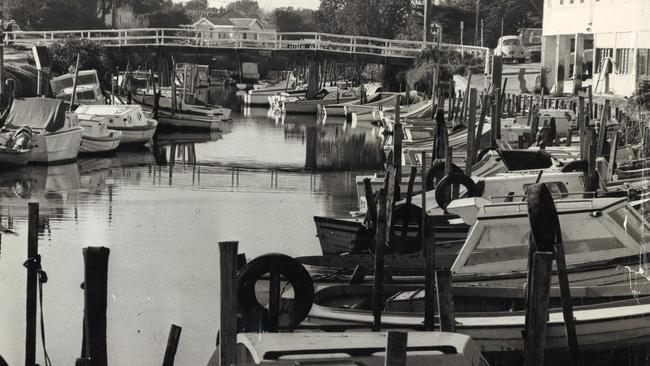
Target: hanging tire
{"x":576,"y":166}
{"x":543,"y":217}
{"x":437,"y":171}
{"x":291,"y":270}
{"x":444,"y":186}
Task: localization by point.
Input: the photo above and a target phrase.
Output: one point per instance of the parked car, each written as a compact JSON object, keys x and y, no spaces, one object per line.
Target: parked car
{"x":511,"y":49}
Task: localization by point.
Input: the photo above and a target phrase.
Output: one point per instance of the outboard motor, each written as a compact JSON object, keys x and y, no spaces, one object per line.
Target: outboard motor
{"x":22,"y":138}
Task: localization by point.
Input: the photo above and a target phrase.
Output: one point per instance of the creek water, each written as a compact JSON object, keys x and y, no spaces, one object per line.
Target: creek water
{"x":162,"y":211}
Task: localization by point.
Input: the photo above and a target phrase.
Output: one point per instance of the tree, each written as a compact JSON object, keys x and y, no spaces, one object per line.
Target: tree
{"x":54,"y":14}
{"x":168,"y":17}
{"x":294,"y":20}
{"x":198,"y":5}
{"x":247,"y":8}
{"x":63,"y":54}
{"x":377,"y":18}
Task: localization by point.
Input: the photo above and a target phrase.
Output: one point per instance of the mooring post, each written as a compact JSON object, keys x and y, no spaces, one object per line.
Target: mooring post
{"x":2,"y":67}
{"x":380,"y":242}
{"x":580,"y":116}
{"x":397,"y":148}
{"x":534,"y":128}
{"x":228,"y":293}
{"x":74,"y":83}
{"x":612,"y":157}
{"x":423,"y":196}
{"x":396,"y":347}
{"x":591,"y":103}
{"x":409,"y":197}
{"x":95,"y":303}
{"x":497,"y":72}
{"x":537,"y":309}
{"x":565,"y":298}
{"x":591,"y":180}
{"x":371,"y":204}
{"x":485,"y":105}
{"x":274,"y":301}
{"x":32,"y":284}
{"x":444,"y":290}
{"x":471,"y":132}
{"x":602,"y":130}
{"x":172,"y":345}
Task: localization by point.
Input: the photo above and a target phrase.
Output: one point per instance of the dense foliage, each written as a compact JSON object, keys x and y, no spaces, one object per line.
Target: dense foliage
{"x":63,"y":54}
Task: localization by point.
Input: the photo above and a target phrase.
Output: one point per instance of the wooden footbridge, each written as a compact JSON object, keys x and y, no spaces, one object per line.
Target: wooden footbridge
{"x":209,"y":41}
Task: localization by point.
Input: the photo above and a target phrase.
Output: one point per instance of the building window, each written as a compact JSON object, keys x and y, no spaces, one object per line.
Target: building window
{"x":643,"y":62}
{"x":624,"y":60}
{"x":601,"y":54}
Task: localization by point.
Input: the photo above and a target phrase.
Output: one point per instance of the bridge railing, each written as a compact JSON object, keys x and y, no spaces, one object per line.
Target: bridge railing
{"x":189,"y":37}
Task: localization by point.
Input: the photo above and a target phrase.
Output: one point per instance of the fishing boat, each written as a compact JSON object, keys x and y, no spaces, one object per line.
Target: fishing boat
{"x":602,"y":239}
{"x":55,"y":133}
{"x":14,"y":147}
{"x":130,"y":120}
{"x":338,"y":235}
{"x":300,"y":105}
{"x":97,"y":138}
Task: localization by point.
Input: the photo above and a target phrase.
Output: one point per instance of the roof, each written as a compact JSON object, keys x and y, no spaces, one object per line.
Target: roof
{"x":106,"y":110}
{"x":37,"y":113}
{"x":266,"y":346}
{"x":243,"y":22}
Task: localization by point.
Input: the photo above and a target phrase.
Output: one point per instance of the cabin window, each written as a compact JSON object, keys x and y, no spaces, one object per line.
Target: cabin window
{"x":558,"y":189}
{"x":624,"y":60}
{"x":631,"y":224}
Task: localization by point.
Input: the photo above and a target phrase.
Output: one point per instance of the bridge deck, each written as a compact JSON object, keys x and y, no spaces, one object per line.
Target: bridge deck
{"x":220,"y":39}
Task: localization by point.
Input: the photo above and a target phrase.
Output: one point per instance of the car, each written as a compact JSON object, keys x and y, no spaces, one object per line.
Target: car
{"x":510,"y":48}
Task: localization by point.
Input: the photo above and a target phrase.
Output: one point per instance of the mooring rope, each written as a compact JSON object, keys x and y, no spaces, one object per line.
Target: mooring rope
{"x":35,"y":262}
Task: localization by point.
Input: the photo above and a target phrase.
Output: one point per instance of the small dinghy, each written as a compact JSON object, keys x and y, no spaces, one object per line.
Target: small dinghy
{"x":15,"y":147}
{"x":98,"y":139}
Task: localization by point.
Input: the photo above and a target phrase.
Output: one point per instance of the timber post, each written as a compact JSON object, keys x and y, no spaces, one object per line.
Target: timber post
{"x":228,"y":311}
{"x":172,"y":345}
{"x":602,"y":130}
{"x":380,"y":242}
{"x":95,"y":303}
{"x":471,"y":132}
{"x":396,"y":347}
{"x":2,"y":68}
{"x":537,"y":309}
{"x":497,"y":73}
{"x":444,"y":290}
{"x":32,"y":263}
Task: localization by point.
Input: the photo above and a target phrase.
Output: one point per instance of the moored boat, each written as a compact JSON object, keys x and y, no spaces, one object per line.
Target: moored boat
{"x":130,"y":120}
{"x":56,"y":134}
{"x":15,"y":147}
{"x":98,"y":139}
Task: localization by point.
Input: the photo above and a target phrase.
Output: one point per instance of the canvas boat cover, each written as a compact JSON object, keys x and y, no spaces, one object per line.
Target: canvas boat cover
{"x":37,"y":113}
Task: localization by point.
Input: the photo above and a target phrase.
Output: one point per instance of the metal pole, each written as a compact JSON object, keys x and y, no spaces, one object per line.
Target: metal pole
{"x":476,"y":24}
{"x":1,"y":64}
{"x":482,"y":33}
{"x":426,"y":37}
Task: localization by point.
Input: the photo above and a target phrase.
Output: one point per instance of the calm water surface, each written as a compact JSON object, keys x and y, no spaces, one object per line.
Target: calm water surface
{"x":162,"y":216}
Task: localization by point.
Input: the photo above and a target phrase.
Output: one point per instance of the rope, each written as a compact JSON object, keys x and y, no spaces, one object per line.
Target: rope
{"x":35,"y":262}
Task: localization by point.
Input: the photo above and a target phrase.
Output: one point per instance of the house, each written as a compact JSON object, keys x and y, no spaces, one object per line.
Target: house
{"x":604,"y":42}
{"x":228,"y":25}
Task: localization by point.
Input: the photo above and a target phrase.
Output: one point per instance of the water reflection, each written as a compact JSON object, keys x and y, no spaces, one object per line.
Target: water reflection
{"x":161,"y":211}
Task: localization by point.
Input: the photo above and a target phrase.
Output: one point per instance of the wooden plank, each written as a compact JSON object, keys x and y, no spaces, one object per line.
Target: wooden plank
{"x":33,"y":262}
{"x":471,"y":133}
{"x":274,"y":301}
{"x":444,"y":290}
{"x":537,"y":310}
{"x":612,"y":157}
{"x":172,"y":345}
{"x":396,"y":347}
{"x":95,"y":302}
{"x":380,"y":242}
{"x":565,"y":298}
{"x":602,"y":130}
{"x":228,"y":303}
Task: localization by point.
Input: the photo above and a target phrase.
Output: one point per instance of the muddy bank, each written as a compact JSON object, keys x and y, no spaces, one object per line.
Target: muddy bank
{"x":19,"y":65}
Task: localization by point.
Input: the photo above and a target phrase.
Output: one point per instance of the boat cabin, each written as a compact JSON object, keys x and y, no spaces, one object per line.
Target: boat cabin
{"x":356,"y":348}
{"x":88,"y":89}
{"x":593,"y":230}
{"x":115,"y":116}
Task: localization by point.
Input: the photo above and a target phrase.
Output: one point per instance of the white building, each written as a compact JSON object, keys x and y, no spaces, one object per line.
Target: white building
{"x":615,"y":33}
{"x":229,"y":25}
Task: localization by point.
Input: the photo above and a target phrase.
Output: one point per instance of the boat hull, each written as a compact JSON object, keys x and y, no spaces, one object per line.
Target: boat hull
{"x":58,"y":147}
{"x":99,"y":145}
{"x":137,"y":134}
{"x":14,"y":157}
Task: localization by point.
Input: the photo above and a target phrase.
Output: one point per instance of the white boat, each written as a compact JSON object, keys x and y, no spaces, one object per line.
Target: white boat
{"x":130,"y":120}
{"x":87,"y":90}
{"x":56,"y":134}
{"x":300,"y":105}
{"x":97,"y":138}
{"x":354,"y":348}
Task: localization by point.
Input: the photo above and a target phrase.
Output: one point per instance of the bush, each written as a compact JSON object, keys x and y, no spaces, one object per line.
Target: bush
{"x":63,"y":54}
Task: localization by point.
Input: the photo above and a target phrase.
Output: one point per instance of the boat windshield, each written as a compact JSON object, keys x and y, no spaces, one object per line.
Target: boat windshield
{"x":67,"y":81}
{"x":498,"y":242}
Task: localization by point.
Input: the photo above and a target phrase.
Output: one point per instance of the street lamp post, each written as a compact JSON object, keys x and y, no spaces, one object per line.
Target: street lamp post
{"x":476,"y":24}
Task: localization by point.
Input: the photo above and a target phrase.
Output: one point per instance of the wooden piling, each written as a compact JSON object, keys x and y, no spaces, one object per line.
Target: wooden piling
{"x":396,"y":347}
{"x":565,"y":298}
{"x":471,"y":133}
{"x":398,"y":134}
{"x":580,"y":116}
{"x":371,"y":205}
{"x":32,"y":284}
{"x":409,"y":196}
{"x":172,"y":345}
{"x":444,"y":290}
{"x":228,"y":304}
{"x":537,"y":310}
{"x":485,"y":105}
{"x":2,"y":67}
{"x":380,"y":242}
{"x":95,"y":303}
{"x":602,"y":130}
{"x":497,"y":72}
{"x":74,"y":83}
{"x":612,"y":157}
{"x":463,"y":111}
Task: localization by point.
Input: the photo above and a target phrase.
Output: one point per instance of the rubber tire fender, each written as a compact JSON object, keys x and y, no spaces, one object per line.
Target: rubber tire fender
{"x":575,"y":166}
{"x":543,"y":217}
{"x":437,"y":171}
{"x":448,"y":181}
{"x":287,"y":267}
